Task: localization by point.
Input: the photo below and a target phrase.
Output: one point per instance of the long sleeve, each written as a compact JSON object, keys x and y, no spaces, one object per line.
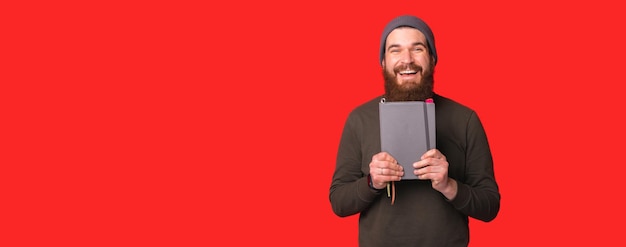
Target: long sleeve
{"x":478,"y":195}
{"x":349,"y":191}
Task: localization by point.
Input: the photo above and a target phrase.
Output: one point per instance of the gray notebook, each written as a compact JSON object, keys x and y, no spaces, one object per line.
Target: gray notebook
{"x":407,"y":131}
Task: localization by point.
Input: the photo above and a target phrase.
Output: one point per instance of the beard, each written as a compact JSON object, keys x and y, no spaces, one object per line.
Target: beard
{"x":413,"y":90}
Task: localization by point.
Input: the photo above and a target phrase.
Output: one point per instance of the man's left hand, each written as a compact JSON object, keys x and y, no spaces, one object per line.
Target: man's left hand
{"x":434,"y":166}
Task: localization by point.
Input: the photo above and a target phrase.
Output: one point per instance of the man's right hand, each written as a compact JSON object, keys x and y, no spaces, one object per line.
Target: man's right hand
{"x":383,"y":169}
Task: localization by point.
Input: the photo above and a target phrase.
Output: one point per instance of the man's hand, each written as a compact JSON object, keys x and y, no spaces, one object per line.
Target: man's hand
{"x":434,"y":166}
{"x":384,"y":168}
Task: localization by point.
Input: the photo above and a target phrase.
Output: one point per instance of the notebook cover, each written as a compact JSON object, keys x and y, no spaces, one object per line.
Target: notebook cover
{"x":407,"y":131}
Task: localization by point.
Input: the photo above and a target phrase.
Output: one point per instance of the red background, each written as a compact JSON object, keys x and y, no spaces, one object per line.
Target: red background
{"x":187,"y":123}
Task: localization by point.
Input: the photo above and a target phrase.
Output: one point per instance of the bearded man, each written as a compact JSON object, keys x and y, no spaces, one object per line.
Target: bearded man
{"x":455,"y":181}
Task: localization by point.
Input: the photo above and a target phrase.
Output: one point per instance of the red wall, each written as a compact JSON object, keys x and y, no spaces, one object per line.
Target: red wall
{"x":192,"y":124}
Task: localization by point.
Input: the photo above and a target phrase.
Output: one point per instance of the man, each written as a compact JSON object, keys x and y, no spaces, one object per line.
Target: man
{"x":455,"y":181}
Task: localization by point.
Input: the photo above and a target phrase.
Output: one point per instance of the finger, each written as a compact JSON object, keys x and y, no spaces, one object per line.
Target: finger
{"x":377,"y":163}
{"x":429,"y":154}
{"x":428,"y":172}
{"x":385,"y":160}
{"x":421,"y":171}
{"x":393,"y":165}
{"x":422,"y":175}
{"x":382,"y":156}
{"x":435,"y":154}
{"x":435,"y":170}
{"x":392,"y":174}
{"x":421,"y":164}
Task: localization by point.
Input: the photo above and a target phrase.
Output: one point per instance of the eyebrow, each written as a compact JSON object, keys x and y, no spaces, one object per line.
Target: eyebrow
{"x":414,"y":44}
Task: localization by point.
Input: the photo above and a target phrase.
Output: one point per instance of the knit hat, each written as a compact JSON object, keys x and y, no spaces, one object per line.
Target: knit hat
{"x":408,"y":21}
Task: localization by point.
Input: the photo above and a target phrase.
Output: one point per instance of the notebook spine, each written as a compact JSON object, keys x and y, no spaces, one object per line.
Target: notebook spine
{"x":429,"y":112}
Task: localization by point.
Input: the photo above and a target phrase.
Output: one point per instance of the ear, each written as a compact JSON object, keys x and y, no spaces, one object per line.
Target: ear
{"x":382,"y":63}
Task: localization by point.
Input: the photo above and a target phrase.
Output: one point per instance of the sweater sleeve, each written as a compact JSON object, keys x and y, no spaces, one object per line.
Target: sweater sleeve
{"x":349,"y":190}
{"x":478,"y":195}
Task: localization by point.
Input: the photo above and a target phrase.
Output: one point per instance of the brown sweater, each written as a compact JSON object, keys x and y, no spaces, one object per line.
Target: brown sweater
{"x":420,"y":216}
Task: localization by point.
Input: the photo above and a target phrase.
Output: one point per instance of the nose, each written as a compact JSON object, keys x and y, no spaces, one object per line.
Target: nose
{"x":406,"y":57}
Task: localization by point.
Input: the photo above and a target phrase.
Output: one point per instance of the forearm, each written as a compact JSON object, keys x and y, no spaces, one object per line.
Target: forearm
{"x":481,"y":202}
{"x":451,"y":189}
{"x":351,"y":198}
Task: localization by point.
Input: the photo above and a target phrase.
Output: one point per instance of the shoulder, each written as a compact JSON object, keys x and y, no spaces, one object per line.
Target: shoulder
{"x":447,"y":109}
{"x":367,"y":107}
{"x":365,"y":113}
{"x":450,"y":105}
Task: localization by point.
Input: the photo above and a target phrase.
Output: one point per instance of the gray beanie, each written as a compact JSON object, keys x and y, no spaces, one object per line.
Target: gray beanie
{"x":408,"y":21}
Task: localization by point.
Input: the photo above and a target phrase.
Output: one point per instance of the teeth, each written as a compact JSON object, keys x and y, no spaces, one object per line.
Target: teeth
{"x":408,"y":72}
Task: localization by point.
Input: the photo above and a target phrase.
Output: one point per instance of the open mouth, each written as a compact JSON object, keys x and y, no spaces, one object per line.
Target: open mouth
{"x":408,"y":72}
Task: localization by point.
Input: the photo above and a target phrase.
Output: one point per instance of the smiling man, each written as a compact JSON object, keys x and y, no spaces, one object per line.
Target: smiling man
{"x":455,"y":181}
{"x":407,"y":65}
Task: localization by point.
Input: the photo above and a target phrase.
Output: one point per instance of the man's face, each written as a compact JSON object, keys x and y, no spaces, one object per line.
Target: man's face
{"x":407,"y":67}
